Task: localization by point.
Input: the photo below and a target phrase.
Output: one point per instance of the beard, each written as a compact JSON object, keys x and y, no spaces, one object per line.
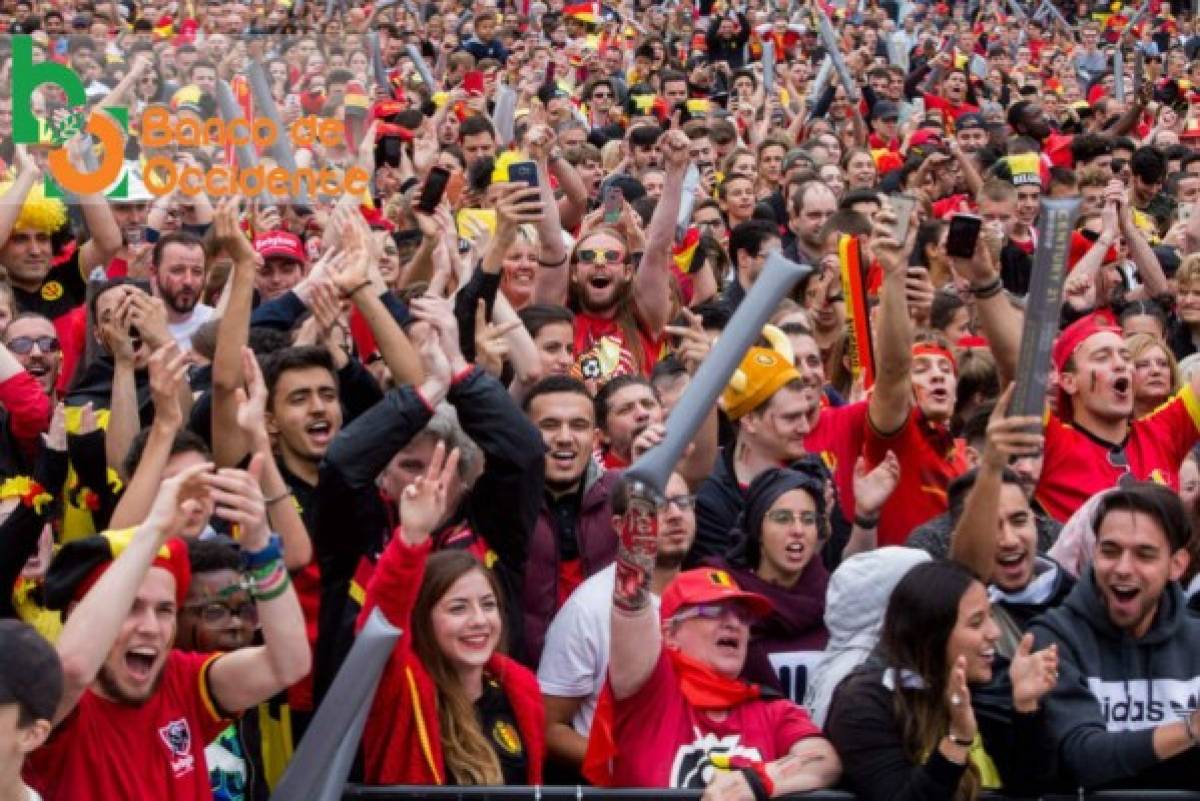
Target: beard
{"x":110,"y":688}
{"x":181,"y":301}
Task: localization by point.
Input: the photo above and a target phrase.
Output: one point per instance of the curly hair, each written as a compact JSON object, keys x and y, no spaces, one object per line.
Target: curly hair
{"x":38,"y":212}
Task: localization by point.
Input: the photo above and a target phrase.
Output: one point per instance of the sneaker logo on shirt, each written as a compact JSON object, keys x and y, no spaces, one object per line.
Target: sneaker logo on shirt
{"x":696,"y":764}
{"x":177,"y":737}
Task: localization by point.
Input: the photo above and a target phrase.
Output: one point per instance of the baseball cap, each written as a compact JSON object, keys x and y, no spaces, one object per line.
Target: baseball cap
{"x":927,"y":139}
{"x":30,"y":672}
{"x":706,"y":585}
{"x":794,"y":155}
{"x":280,"y":244}
{"x":885,"y":110}
{"x":970,"y":120}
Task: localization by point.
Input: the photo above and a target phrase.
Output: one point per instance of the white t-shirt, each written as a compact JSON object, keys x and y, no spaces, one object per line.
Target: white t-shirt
{"x":575,"y":656}
{"x":182,"y":332}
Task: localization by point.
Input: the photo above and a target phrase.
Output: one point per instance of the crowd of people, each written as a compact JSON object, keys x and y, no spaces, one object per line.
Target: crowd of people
{"x":376,"y":303}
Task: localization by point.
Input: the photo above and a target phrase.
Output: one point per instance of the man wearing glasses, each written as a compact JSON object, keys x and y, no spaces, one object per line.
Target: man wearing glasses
{"x":24,"y":400}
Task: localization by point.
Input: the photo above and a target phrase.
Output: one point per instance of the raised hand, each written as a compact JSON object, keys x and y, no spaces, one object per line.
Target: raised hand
{"x":518,"y":204}
{"x":676,"y":150}
{"x":1032,"y":674}
{"x":694,"y":344}
{"x":958,"y":699}
{"x":55,"y":437}
{"x":168,"y":370}
{"x":423,"y":502}
{"x":891,"y":254}
{"x":179,"y":499}
{"x":229,"y":234}
{"x":491,"y":347}
{"x":872,"y":488}
{"x":1011,"y":437}
{"x":439,"y":313}
{"x":149,"y":314}
{"x":239,"y":500}
{"x":252,"y":404}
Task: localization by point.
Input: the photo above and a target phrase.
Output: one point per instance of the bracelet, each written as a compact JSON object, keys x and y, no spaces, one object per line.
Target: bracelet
{"x":252,"y":560}
{"x":990,"y":289}
{"x":363,"y":285}
{"x":866,"y":522}
{"x":270,"y":582}
{"x":281,"y":496}
{"x":959,"y":741}
{"x":558,"y":263}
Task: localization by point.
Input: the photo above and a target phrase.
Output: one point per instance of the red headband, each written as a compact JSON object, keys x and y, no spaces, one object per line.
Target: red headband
{"x":930,"y":349}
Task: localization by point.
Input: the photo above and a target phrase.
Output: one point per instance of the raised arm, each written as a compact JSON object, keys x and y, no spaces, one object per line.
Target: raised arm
{"x":1002,"y":322}
{"x":573,"y":203}
{"x":973,"y":543}
{"x":94,"y":623}
{"x":636,"y":635}
{"x":248,"y":676}
{"x":1154,"y":280}
{"x":227,"y":372}
{"x":540,"y":143}
{"x":28,"y":174}
{"x":168,"y":368}
{"x":105,"y":235}
{"x":652,"y":281}
{"x":123,"y":419}
{"x":891,"y":399}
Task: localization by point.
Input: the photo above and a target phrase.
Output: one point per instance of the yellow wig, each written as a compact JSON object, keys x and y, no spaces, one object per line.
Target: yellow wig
{"x":39,"y":213}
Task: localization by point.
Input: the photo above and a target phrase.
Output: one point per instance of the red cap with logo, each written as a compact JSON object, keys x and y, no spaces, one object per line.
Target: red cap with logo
{"x":708,"y":585}
{"x":281,"y":245}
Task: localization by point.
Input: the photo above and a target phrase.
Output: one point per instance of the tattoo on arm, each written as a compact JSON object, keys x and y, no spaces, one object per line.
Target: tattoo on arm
{"x":637,"y":550}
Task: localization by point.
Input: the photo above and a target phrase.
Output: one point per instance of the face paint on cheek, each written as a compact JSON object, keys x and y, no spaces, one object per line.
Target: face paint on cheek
{"x":1095,"y":380}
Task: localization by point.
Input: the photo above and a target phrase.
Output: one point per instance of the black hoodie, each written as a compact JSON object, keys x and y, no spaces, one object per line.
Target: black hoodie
{"x":1114,"y":690}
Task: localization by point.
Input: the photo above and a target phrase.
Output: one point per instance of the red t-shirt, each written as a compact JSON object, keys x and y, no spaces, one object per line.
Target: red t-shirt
{"x":838,"y":438}
{"x":604,"y":353}
{"x":929,"y":459}
{"x":662,"y":741}
{"x":105,"y":750}
{"x":1077,"y":466}
{"x":948,"y":108}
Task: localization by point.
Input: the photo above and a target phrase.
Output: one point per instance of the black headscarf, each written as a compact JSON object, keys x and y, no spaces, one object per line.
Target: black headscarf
{"x":764,"y":490}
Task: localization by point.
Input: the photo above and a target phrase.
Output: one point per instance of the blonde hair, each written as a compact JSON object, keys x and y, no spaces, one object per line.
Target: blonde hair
{"x":1189,"y":270}
{"x":1141,"y":342}
{"x":38,"y":212}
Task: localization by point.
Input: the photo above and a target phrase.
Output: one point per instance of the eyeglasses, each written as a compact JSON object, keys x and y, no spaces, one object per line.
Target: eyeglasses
{"x":714,"y":612}
{"x":681,"y":502}
{"x":596,"y":255}
{"x":717,"y":223}
{"x":215,"y":613}
{"x":786,"y":517}
{"x":23,"y":345}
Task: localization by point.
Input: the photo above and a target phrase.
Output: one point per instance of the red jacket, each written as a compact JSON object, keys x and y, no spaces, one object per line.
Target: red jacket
{"x":402,"y":741}
{"x":28,"y":410}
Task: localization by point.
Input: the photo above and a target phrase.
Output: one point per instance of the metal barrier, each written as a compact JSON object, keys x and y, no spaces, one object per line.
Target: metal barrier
{"x":580,"y":793}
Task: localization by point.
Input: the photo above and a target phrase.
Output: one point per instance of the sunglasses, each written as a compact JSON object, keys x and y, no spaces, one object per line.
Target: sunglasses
{"x":23,"y":345}
{"x":714,"y":612}
{"x":597,"y":255}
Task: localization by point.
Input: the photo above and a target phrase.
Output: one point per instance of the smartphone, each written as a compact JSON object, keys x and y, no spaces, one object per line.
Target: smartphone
{"x":963,"y":234}
{"x":473,"y":82}
{"x":613,"y":200}
{"x":902,"y":206}
{"x":523,"y":172}
{"x":434,"y":188}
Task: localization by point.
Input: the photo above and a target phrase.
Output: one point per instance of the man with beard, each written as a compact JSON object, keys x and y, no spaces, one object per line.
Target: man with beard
{"x":135,"y":713}
{"x":177,"y":272}
{"x":575,"y":659}
{"x":1092,"y":442}
{"x":812,"y":204}
{"x":1125,"y":711}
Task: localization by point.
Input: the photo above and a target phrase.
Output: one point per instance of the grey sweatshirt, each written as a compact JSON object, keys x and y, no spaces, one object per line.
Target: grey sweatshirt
{"x":1113,"y":690}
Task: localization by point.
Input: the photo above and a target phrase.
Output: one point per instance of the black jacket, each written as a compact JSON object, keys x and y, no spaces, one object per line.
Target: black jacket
{"x":354,"y":522}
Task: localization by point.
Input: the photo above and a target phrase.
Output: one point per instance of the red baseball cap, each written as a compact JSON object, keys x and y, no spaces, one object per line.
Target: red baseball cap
{"x":707,"y":585}
{"x":280,"y":244}
{"x":1069,"y":341}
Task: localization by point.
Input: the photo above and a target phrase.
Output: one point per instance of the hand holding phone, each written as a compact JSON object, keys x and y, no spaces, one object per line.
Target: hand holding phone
{"x":963,"y":235}
{"x":614,"y":198}
{"x":433,"y":189}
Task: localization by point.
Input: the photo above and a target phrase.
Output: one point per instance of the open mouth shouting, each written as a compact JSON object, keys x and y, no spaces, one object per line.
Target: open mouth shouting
{"x":320,"y":432}
{"x":1010,"y":568}
{"x":139,"y":663}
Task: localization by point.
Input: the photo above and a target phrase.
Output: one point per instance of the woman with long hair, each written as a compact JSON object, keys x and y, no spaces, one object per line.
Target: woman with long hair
{"x":450,"y":707}
{"x":905,"y":724}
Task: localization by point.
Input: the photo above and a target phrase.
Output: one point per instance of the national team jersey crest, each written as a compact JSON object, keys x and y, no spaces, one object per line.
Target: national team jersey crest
{"x":177,"y":737}
{"x":696,"y":762}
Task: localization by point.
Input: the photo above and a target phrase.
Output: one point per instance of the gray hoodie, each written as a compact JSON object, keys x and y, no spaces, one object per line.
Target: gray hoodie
{"x":1113,"y":690}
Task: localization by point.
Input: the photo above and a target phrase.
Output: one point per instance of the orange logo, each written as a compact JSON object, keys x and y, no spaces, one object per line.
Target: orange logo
{"x":51,"y":291}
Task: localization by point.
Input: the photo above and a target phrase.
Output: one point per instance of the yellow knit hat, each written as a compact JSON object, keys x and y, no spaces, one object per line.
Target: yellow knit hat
{"x":760,"y":375}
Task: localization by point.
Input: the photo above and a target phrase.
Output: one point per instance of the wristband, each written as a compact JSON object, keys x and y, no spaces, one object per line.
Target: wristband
{"x":363,"y":285}
{"x":866,"y":522}
{"x":558,"y":263}
{"x":281,"y":496}
{"x":253,"y":560}
{"x":990,"y":289}
{"x":462,"y":374}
